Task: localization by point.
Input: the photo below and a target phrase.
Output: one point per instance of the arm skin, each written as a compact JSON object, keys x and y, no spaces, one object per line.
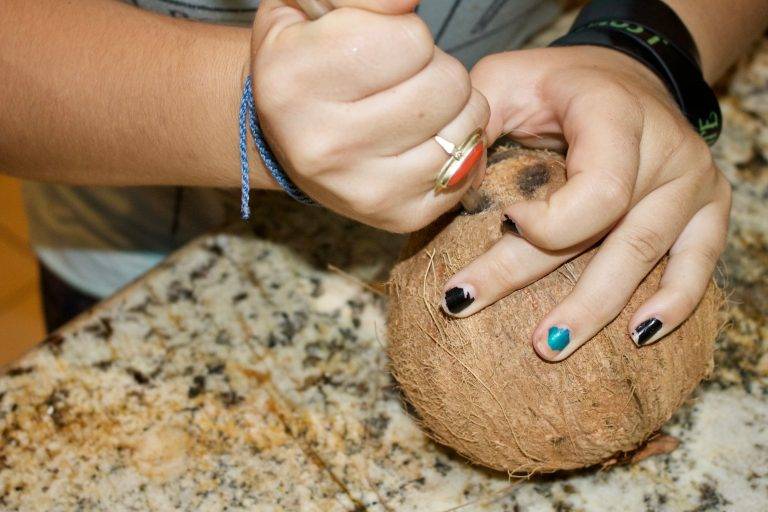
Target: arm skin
{"x":96,"y":92}
{"x":722,"y":29}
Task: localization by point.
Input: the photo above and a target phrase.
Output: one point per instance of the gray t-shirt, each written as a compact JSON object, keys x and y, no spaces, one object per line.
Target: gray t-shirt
{"x":99,"y":238}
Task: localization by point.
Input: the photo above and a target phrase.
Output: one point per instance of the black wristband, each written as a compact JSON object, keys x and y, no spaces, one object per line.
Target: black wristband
{"x":654,"y":15}
{"x":679,"y":72}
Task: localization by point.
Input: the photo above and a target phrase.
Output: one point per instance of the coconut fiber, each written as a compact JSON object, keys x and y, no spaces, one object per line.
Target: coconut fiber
{"x":476,"y":383}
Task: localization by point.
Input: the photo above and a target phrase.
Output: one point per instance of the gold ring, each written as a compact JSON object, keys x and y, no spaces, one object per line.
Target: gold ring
{"x":461,"y":159}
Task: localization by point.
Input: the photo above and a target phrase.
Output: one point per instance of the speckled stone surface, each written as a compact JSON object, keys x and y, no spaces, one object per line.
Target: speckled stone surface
{"x":246,"y":374}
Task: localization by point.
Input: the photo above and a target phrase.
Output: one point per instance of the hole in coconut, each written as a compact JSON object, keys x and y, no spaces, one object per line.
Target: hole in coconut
{"x":482,"y":203}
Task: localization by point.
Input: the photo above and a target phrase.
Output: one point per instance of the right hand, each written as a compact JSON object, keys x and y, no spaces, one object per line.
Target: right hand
{"x":350,"y":104}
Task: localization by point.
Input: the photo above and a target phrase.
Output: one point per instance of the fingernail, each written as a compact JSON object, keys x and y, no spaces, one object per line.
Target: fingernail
{"x":645,"y":331}
{"x":558,"y":338}
{"x":510,"y":225}
{"x":457,"y":299}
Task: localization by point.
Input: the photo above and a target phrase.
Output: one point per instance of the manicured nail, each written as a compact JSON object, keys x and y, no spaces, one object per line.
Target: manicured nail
{"x":645,"y":331}
{"x":457,"y":299}
{"x":510,"y":225}
{"x":558,"y":338}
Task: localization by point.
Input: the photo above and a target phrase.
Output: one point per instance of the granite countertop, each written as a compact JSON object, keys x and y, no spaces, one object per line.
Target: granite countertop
{"x":247,"y":372}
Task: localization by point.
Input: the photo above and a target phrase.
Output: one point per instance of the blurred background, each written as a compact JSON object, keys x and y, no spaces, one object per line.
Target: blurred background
{"x":21,"y":320}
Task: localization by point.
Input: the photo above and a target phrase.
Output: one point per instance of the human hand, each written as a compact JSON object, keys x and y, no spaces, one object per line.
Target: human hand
{"x":350,"y":104}
{"x":639,"y":178}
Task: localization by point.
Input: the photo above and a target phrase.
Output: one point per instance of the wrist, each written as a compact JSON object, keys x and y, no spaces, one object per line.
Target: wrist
{"x":666,"y":55}
{"x":219,"y":71}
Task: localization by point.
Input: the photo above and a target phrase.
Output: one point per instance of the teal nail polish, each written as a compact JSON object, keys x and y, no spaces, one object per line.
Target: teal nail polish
{"x":558,"y":338}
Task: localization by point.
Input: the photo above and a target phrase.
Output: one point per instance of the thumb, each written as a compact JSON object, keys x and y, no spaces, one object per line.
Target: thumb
{"x":511,"y":82}
{"x":485,"y":78}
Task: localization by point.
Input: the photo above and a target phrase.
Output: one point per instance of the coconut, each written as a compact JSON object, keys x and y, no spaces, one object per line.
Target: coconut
{"x":476,"y":383}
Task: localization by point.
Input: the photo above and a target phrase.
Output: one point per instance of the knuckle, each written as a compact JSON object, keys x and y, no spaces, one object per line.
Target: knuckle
{"x":614,"y":192}
{"x":366,"y":32}
{"x":590,"y":310}
{"x":480,"y":110}
{"x":690,"y":151}
{"x":705,"y":256}
{"x":454,"y":80}
{"x":686,"y":300}
{"x":710,"y":255}
{"x":343,"y":20}
{"x":544,"y":233}
{"x":419,"y":35}
{"x":505,"y":269}
{"x":642,"y":244}
{"x":315,"y":155}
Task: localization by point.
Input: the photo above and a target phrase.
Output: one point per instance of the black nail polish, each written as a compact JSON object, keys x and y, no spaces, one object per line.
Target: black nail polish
{"x":510,"y":225}
{"x":457,"y":300}
{"x":645,"y":331}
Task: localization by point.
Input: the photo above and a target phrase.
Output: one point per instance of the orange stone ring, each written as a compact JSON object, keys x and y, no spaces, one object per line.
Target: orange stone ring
{"x":461,"y":160}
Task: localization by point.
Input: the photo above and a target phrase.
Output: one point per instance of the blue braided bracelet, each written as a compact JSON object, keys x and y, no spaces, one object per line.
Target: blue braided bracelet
{"x":248,"y":114}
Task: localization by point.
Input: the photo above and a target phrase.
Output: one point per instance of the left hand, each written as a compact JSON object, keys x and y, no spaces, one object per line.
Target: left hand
{"x":637,"y":175}
{"x":375,"y":91}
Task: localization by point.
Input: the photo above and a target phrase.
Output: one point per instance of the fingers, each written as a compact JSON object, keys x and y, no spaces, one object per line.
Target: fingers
{"x":347,"y":54}
{"x":406,"y":200}
{"x":692,"y":260}
{"x":602,"y":165}
{"x":417,"y":167}
{"x":429,"y":157}
{"x":403,"y":199}
{"x":415,"y":109}
{"x":512,"y":263}
{"x":626,"y":256}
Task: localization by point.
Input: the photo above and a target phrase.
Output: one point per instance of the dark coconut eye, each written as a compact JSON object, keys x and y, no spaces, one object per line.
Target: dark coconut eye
{"x":476,"y":382}
{"x":480,"y":202}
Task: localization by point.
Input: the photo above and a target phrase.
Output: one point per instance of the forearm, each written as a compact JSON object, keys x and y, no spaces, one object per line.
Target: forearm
{"x":97,"y":92}
{"x":722,"y":29}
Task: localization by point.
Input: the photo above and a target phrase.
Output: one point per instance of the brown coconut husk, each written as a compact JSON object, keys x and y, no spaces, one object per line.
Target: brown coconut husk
{"x":476,"y":382}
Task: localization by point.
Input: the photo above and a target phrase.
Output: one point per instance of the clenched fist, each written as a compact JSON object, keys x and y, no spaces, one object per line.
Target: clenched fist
{"x":350,"y":104}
